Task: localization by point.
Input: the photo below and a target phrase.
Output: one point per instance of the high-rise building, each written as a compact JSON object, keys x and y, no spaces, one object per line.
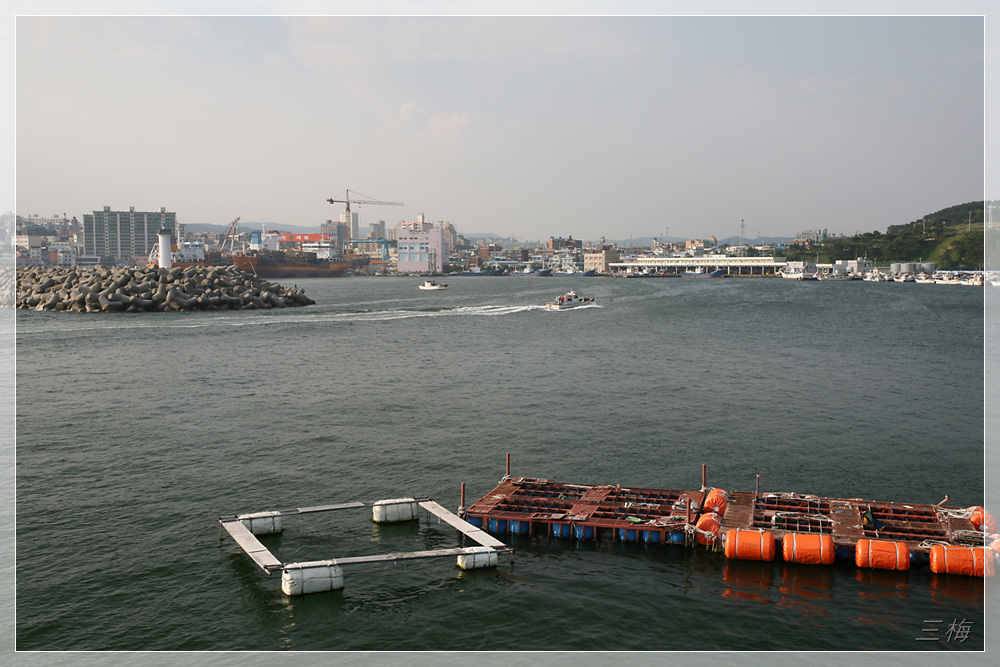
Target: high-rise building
{"x":122,"y":236}
{"x":450,"y":235}
{"x":350,"y":218}
{"x":376,"y":230}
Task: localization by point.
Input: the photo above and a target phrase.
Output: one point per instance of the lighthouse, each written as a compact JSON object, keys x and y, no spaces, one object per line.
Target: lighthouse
{"x":164,"y":245}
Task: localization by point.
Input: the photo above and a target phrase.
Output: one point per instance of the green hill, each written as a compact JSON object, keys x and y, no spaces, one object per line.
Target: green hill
{"x":952,"y":237}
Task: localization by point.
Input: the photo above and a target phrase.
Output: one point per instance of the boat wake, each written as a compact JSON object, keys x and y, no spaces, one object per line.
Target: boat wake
{"x":287,"y":317}
{"x":583,"y":306}
{"x":403,"y":314}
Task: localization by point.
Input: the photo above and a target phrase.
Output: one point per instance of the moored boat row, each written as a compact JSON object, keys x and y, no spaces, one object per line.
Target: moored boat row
{"x":943,"y":277}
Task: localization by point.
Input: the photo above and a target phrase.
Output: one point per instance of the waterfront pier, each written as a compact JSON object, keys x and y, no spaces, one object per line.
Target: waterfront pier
{"x":733,"y":266}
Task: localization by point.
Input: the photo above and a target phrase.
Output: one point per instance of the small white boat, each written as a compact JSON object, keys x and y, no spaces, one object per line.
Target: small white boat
{"x":797,"y":271}
{"x":946,"y":278}
{"x":974,"y":279}
{"x":430,"y":284}
{"x":569,"y":300}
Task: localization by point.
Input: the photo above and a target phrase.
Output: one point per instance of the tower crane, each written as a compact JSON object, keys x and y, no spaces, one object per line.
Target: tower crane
{"x":348,"y":201}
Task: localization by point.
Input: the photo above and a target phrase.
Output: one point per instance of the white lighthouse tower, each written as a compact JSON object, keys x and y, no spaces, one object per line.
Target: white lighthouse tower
{"x":164,"y":245}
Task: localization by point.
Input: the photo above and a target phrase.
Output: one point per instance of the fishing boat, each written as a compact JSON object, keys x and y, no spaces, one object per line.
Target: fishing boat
{"x":946,"y":278}
{"x":481,"y":272}
{"x":798,"y":271}
{"x":576,"y":273}
{"x":975,"y":279}
{"x":700,"y":272}
{"x":568,"y":301}
{"x":430,"y":285}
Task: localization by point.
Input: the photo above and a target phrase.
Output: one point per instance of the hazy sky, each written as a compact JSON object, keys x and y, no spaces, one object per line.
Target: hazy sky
{"x":525,"y":126}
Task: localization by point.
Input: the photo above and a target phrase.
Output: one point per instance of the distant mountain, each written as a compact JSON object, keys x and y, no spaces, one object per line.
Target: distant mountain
{"x":763,"y":240}
{"x":248,"y":226}
{"x":634,"y":242}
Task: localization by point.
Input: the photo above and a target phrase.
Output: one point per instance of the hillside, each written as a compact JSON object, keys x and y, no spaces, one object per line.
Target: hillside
{"x":952,"y":237}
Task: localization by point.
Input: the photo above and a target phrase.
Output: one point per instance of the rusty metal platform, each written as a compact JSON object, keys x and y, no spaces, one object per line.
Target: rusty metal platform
{"x":525,"y":505}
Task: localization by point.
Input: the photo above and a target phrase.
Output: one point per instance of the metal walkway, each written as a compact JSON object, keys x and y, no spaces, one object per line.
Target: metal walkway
{"x":269,"y":563}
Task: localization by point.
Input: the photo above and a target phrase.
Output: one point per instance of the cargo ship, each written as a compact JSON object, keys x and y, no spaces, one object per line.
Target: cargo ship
{"x":284,"y":264}
{"x":189,"y":254}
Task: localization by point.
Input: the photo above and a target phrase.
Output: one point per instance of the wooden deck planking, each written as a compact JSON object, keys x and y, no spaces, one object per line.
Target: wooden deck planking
{"x":477,"y":534}
{"x":251,"y":545}
{"x":739,"y":511}
{"x":846,"y":519}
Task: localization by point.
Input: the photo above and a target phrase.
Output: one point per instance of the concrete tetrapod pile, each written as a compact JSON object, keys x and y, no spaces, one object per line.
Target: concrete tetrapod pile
{"x":150,"y":289}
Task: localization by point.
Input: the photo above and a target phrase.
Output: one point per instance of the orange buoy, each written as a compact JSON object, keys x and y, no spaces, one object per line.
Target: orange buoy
{"x":882,"y":555}
{"x":808,"y":549}
{"x":708,"y":522}
{"x":971,"y":561}
{"x":982,"y":519}
{"x":750,"y":544}
{"x":716,"y":501}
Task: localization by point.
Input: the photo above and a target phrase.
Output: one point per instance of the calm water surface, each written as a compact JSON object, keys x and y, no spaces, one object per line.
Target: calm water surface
{"x":135,"y":432}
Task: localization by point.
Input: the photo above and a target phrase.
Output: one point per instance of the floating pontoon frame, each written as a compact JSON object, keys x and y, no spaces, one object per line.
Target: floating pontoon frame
{"x":244,"y":528}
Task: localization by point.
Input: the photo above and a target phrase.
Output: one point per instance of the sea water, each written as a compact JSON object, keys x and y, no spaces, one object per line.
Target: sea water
{"x":134,"y":433}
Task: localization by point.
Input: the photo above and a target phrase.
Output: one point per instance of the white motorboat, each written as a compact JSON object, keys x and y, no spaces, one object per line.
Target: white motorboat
{"x":569,"y":300}
{"x":430,"y":284}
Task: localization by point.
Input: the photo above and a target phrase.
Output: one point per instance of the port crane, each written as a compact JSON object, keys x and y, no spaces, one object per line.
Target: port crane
{"x":230,"y":237}
{"x":348,"y":201}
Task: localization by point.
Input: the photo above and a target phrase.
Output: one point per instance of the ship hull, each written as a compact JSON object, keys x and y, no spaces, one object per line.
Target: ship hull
{"x":320,"y":269}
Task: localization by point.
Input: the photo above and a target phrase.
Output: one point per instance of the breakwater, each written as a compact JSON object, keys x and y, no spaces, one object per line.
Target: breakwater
{"x":132,"y":289}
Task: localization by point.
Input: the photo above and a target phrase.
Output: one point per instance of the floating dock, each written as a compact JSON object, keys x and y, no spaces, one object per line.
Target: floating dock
{"x":801,"y":528}
{"x":522,"y":505}
{"x":747,"y":525}
{"x":299,"y":578}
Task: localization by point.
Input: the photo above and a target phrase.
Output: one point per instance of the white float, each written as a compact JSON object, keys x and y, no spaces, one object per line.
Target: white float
{"x":311,"y":577}
{"x":262,"y":523}
{"x":477,"y":557}
{"x":394,"y":510}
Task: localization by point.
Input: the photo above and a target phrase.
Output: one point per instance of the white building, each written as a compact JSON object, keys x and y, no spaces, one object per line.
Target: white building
{"x":859,"y":265}
{"x":420,"y":251}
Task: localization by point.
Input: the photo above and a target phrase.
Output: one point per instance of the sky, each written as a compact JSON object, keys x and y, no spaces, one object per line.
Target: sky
{"x":524,"y":126}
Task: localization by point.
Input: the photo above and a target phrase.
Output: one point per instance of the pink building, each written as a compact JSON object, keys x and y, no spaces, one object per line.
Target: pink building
{"x":421,"y":251}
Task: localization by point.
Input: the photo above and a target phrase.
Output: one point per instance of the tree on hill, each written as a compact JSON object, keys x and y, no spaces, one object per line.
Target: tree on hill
{"x":951,"y":237}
